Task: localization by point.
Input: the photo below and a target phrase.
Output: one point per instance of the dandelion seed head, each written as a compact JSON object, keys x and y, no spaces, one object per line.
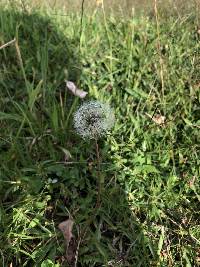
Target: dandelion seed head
{"x":93,"y":120}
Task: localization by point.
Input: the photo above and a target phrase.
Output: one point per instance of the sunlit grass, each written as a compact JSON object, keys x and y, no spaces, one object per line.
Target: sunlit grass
{"x":125,"y":7}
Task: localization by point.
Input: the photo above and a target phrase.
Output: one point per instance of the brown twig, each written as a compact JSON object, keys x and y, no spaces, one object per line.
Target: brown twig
{"x":159,"y":47}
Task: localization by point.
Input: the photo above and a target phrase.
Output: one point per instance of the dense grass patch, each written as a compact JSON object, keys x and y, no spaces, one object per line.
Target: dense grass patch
{"x":149,"y":73}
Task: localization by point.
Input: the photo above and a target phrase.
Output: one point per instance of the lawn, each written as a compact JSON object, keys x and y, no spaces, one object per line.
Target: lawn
{"x":147,"y":68}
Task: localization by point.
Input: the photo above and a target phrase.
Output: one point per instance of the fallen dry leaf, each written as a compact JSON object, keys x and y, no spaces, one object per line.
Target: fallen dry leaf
{"x":192,"y":181}
{"x":76,"y":91}
{"x":158,"y":119}
{"x":66,"y":228}
{"x":71,"y":246}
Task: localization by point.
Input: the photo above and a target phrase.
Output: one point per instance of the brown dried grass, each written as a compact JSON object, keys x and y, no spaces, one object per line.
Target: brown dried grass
{"x":126,"y":7}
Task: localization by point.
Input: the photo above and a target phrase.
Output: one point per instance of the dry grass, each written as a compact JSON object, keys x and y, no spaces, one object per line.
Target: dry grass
{"x":126,"y":7}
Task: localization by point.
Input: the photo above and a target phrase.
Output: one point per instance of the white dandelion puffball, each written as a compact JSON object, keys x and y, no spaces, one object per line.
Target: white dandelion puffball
{"x":93,"y":119}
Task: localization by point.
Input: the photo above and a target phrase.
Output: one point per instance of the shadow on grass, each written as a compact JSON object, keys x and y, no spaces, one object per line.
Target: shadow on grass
{"x":47,"y":53}
{"x":113,"y":236}
{"x":49,"y":56}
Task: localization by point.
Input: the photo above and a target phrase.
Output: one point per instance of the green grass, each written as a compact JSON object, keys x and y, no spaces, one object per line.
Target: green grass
{"x":149,"y":215}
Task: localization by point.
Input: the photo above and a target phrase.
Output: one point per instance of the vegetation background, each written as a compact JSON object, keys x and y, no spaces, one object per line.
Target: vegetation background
{"x":142,"y":57}
{"x":124,"y":6}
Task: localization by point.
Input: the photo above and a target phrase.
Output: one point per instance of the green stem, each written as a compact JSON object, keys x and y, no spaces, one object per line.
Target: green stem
{"x":98,"y":202}
{"x":100,"y":182}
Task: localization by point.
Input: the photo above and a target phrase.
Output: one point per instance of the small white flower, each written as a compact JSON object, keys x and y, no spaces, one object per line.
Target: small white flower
{"x":93,"y":119}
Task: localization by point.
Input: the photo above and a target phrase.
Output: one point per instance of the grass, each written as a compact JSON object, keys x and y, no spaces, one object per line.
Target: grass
{"x":149,"y":213}
{"x":125,"y":7}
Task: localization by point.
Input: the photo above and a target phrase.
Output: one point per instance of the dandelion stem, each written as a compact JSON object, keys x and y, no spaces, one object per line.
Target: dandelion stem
{"x":98,"y":175}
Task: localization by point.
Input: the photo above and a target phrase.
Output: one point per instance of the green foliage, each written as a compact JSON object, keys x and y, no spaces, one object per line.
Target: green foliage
{"x":49,"y":263}
{"x":149,"y":215}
